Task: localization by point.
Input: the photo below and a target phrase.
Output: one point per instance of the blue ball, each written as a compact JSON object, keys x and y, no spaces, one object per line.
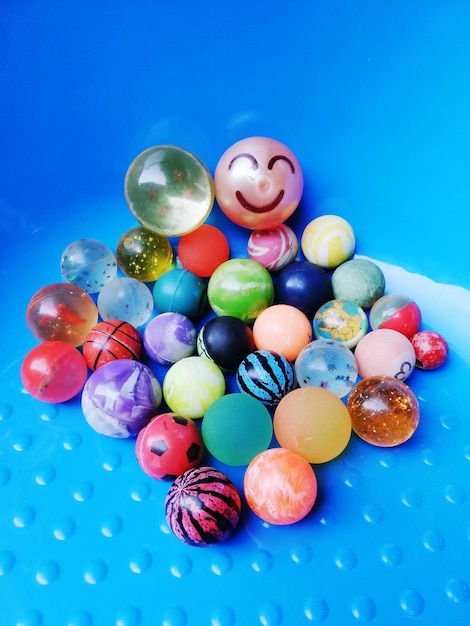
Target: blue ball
{"x":304,"y":285}
{"x":180,"y":291}
{"x":266,"y":375}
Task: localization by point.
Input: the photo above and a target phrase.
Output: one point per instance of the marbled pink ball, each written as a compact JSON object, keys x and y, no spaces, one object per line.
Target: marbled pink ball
{"x":274,"y":247}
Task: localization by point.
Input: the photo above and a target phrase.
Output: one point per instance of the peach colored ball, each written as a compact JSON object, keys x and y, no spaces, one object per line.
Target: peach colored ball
{"x":280,"y":486}
{"x":385,"y":352}
{"x":282,"y":328}
{"x":313,"y":422}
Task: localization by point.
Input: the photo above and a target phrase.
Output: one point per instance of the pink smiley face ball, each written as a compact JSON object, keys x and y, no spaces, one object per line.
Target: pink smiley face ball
{"x":258,"y":183}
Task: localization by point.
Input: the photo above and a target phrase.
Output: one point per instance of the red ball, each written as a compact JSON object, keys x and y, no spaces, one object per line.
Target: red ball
{"x":203,"y":250}
{"x":168,"y":446}
{"x":53,"y":371}
{"x":431,"y":349}
{"x":111,"y":340}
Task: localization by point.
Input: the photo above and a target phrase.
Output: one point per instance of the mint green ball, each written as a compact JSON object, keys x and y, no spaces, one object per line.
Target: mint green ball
{"x":358,"y":280}
{"x":236,"y":428}
{"x":241,"y":288}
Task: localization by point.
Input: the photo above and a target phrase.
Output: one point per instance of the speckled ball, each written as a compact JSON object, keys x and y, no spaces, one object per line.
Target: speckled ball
{"x":358,"y":280}
{"x":126,"y":299}
{"x":384,"y":411}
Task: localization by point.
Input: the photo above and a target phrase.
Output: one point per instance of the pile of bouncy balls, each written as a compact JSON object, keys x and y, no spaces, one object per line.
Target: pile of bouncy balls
{"x":314,"y":346}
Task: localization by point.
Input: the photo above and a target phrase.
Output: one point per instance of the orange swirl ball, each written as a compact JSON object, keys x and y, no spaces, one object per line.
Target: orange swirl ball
{"x":280,"y":486}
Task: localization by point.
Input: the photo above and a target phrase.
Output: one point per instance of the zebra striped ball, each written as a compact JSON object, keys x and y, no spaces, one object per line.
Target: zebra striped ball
{"x":266,"y":375}
{"x":202,"y":507}
{"x":111,"y":340}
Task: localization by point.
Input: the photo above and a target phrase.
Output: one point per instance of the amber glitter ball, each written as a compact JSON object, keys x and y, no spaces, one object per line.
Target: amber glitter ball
{"x":384,"y":411}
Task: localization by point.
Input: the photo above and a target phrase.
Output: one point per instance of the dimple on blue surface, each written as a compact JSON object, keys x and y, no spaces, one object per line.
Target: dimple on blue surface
{"x":374,"y":101}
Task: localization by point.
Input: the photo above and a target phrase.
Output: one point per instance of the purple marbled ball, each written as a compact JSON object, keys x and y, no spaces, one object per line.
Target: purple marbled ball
{"x":120,"y":398}
{"x":169,"y":337}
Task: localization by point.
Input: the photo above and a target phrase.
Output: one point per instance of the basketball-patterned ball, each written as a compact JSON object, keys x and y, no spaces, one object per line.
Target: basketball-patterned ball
{"x":111,"y":340}
{"x":202,"y":507}
{"x":328,"y":241}
{"x":266,"y":375}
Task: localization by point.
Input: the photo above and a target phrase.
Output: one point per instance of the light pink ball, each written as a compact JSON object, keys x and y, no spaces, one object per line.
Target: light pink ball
{"x":385,"y":352}
{"x":258,"y":182}
{"x":274,"y":247}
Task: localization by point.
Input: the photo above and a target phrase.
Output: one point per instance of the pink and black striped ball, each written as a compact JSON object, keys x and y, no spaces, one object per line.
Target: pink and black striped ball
{"x":202,"y":507}
{"x":111,"y":340}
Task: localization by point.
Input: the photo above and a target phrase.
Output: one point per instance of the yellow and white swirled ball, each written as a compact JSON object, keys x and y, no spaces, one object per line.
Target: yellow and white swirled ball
{"x":328,"y":241}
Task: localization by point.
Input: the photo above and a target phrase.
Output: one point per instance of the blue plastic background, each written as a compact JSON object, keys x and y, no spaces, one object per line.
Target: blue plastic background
{"x":374,"y":98}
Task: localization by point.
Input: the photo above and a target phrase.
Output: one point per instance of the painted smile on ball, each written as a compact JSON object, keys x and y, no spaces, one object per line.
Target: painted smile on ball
{"x":265,"y":208}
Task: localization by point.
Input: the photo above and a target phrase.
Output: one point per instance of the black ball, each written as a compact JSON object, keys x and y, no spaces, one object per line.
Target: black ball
{"x":226,"y":340}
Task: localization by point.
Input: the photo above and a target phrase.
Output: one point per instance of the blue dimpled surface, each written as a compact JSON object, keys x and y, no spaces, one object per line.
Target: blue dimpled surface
{"x":374,"y":101}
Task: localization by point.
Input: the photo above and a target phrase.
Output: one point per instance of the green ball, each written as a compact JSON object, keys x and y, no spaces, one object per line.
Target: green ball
{"x":192,"y":385}
{"x":241,"y":288}
{"x":358,"y":280}
{"x":236,"y":428}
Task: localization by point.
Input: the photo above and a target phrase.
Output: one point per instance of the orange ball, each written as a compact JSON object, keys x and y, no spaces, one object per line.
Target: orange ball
{"x":314,"y":422}
{"x":282,"y":328}
{"x":203,"y":250}
{"x":280,"y":486}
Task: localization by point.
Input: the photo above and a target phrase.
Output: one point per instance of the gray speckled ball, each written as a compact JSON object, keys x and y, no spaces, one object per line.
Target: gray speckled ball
{"x":359,"y":280}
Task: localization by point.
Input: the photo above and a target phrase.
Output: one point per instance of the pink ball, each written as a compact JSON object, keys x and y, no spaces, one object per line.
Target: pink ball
{"x":385,"y":352}
{"x":258,"y":182}
{"x":274,"y":247}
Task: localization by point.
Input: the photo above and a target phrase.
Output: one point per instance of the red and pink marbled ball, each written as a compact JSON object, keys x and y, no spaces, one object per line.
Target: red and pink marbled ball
{"x":274,"y":248}
{"x":202,"y":507}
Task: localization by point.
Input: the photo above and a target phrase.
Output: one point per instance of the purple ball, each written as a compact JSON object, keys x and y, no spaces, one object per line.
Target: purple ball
{"x":169,"y":337}
{"x":120,"y":398}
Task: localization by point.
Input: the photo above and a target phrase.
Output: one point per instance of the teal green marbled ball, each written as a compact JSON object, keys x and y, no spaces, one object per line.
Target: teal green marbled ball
{"x":242,"y":288}
{"x":358,"y":280}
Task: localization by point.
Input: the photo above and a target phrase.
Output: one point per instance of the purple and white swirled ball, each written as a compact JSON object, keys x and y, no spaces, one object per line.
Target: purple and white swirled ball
{"x":120,"y":398}
{"x":169,"y":337}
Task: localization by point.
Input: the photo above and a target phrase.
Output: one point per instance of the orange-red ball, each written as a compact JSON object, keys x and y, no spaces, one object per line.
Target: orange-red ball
{"x":203,"y":250}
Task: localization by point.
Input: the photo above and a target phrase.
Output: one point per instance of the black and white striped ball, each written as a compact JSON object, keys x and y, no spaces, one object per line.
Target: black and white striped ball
{"x":266,"y":375}
{"x":202,"y":507}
